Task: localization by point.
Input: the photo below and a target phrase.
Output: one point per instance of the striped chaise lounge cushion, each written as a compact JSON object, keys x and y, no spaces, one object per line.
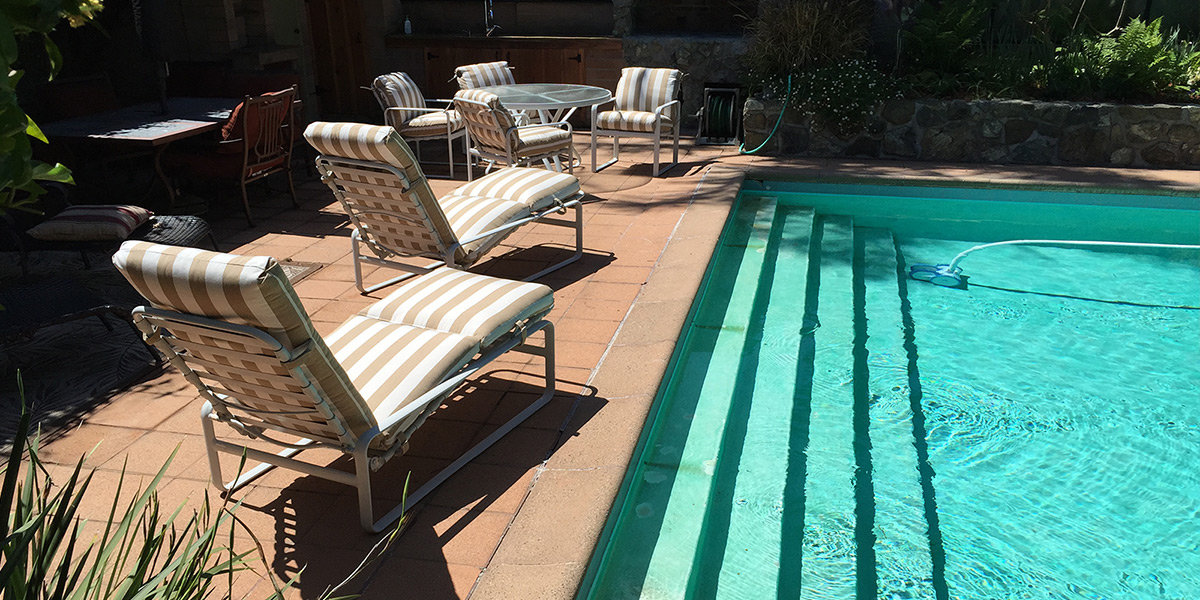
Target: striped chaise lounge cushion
{"x":368,"y":370}
{"x":485,"y":204}
{"x":477,"y":306}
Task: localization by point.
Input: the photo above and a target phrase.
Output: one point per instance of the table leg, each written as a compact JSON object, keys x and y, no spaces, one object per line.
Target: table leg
{"x":162,"y":176}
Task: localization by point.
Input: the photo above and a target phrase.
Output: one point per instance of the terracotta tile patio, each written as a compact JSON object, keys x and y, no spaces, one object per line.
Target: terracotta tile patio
{"x":522,"y":520}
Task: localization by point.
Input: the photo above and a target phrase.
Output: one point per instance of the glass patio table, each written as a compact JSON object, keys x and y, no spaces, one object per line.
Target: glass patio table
{"x":552,"y":101}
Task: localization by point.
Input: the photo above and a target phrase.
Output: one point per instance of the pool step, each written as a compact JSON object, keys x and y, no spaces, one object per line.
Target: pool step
{"x":660,"y":541}
{"x":902,"y":490}
{"x":751,"y":543}
{"x":829,"y":547}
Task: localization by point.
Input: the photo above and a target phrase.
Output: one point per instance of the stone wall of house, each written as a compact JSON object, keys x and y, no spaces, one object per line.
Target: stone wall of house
{"x":702,"y":60}
{"x":995,"y":131}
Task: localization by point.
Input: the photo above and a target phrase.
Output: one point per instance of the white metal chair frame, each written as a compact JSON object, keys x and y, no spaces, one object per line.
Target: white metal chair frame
{"x":510,"y":141}
{"x":330,"y":166}
{"x":449,"y":136}
{"x":156,"y":325}
{"x":656,"y":136}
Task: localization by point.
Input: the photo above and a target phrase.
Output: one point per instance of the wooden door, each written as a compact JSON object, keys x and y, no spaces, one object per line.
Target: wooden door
{"x":339,"y":58}
{"x":440,"y":62}
{"x":547,"y":65}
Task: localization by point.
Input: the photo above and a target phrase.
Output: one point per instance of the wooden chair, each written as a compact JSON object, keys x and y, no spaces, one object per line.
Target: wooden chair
{"x":256,"y":143}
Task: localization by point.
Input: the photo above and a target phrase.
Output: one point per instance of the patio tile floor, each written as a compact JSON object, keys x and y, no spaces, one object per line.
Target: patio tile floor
{"x":521,"y":521}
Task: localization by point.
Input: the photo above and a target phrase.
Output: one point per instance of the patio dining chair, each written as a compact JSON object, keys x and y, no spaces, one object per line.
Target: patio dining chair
{"x":646,"y":105}
{"x":496,"y":137}
{"x":256,"y":143}
{"x":407,"y":110}
{"x":395,"y":215}
{"x":234,"y":326}
{"x":483,"y":75}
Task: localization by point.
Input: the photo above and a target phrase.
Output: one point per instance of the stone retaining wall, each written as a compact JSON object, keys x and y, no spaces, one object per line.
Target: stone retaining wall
{"x":995,"y":131}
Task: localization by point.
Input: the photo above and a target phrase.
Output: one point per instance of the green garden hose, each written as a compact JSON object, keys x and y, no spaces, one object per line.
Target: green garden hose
{"x":742,"y":148}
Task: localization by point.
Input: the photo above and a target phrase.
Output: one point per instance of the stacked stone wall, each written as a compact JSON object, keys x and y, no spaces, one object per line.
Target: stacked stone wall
{"x":994,"y":131}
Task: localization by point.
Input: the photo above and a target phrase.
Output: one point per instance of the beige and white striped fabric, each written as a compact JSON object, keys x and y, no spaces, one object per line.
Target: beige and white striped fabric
{"x":541,"y":140}
{"x":640,"y":92}
{"x":506,"y":195}
{"x":254,"y":291}
{"x":480,"y":307}
{"x":534,"y":188}
{"x":408,"y":221}
{"x":484,"y":75}
{"x":397,"y":90}
{"x":392,"y":364}
{"x":405,"y":222}
{"x":488,"y":122}
{"x":430,"y":124}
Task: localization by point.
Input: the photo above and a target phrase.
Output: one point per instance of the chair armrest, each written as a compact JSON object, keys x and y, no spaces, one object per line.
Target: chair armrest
{"x":414,"y":109}
{"x":554,"y":124}
{"x":598,"y":105}
{"x":659,"y":111}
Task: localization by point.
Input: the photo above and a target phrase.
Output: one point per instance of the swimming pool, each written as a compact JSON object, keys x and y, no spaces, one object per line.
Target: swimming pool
{"x":830,"y":428}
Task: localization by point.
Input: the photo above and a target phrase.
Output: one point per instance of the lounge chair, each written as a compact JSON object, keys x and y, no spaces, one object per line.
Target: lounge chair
{"x":394,"y":213}
{"x":236,"y":329}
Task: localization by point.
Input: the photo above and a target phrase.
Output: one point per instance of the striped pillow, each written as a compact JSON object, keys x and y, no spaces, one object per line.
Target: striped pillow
{"x":91,"y":223}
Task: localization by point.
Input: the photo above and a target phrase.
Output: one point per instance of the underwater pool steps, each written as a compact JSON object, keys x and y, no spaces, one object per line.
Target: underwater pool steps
{"x":739,"y":478}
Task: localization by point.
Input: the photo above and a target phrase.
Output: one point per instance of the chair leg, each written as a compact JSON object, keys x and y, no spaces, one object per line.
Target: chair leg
{"x":450,"y":154}
{"x":292,"y":188}
{"x":616,"y":154}
{"x":362,"y":465}
{"x":578,"y":225}
{"x":212,"y":445}
{"x":246,"y":203}
{"x":674,"y":151}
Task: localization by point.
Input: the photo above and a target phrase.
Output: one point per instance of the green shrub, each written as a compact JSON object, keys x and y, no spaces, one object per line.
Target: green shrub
{"x":1138,"y":64}
{"x":841,"y":95}
{"x":790,"y":36}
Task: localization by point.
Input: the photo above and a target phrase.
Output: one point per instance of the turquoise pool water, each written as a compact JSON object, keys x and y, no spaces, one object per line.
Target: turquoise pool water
{"x":833,"y":429}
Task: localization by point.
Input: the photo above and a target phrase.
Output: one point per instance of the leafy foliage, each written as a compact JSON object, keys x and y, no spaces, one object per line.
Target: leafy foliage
{"x":789,"y":36}
{"x":1139,"y":63}
{"x":19,"y":173}
{"x":842,"y":94}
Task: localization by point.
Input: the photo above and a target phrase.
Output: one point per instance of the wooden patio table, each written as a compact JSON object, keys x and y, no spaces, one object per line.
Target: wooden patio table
{"x":147,"y":126}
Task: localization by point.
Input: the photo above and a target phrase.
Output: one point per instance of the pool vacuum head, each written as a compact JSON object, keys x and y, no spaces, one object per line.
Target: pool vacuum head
{"x":943,"y":275}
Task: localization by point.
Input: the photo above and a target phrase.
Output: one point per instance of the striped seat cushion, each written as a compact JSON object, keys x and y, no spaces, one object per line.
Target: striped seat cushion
{"x":247,"y":290}
{"x":91,"y":223}
{"x":477,"y":306}
{"x":431,"y":124}
{"x":643,"y":89}
{"x":631,"y":120}
{"x":540,"y":140}
{"x":534,"y":188}
{"x":472,"y":215}
{"x":398,"y":90}
{"x":393,"y":364}
{"x":483,"y":75}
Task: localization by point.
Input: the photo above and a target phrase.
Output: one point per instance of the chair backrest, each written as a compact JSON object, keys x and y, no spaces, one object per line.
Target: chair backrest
{"x":266,"y":126}
{"x":646,"y":89}
{"x":374,"y":174}
{"x":394,"y":90}
{"x":225,"y":313}
{"x":484,"y":75}
{"x":488,"y":122}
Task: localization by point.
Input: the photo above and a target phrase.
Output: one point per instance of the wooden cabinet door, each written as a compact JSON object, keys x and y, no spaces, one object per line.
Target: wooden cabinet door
{"x":440,"y":62}
{"x":547,"y":65}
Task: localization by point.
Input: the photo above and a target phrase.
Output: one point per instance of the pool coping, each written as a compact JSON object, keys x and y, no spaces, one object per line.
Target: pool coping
{"x":548,"y":547}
